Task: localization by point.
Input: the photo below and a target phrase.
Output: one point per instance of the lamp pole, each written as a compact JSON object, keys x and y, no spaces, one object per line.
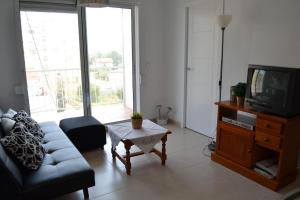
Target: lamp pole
{"x":221,"y":68}
{"x":223,"y":21}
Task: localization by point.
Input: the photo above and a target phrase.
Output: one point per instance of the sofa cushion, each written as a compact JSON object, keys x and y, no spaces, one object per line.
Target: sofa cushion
{"x":63,"y":169}
{"x":10,"y":113}
{"x":32,"y":126}
{"x":24,"y":147}
{"x":11,"y":180}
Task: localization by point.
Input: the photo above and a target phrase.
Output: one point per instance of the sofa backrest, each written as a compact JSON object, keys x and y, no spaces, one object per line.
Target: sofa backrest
{"x":11,"y":180}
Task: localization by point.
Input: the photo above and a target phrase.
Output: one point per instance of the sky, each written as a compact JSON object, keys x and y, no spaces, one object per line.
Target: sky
{"x":104,"y":28}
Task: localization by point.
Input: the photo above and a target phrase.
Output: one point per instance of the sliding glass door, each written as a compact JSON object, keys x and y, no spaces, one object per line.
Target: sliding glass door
{"x":109,"y":41}
{"x":52,"y":60}
{"x":66,"y":79}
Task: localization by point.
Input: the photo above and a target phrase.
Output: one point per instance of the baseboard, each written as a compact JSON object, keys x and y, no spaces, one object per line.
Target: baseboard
{"x":177,"y":123}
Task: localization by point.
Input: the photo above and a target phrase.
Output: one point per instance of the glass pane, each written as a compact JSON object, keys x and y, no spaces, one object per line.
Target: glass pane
{"x":52,"y":59}
{"x":269,"y":86}
{"x":110,"y":63}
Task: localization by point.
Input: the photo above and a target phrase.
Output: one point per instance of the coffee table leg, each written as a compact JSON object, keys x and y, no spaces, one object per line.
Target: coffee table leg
{"x":163,"y":151}
{"x":128,"y":164}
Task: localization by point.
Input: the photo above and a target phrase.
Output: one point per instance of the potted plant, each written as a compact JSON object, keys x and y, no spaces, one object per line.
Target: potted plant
{"x":137,"y":120}
{"x":240,"y":92}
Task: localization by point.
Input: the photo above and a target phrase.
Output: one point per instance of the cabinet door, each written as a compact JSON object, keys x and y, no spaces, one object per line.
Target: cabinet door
{"x":235,"y":144}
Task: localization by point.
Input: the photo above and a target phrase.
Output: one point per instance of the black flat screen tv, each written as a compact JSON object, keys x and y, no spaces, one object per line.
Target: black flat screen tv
{"x":274,"y":90}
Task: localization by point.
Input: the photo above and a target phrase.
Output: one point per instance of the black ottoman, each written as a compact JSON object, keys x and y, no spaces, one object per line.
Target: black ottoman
{"x":86,"y":133}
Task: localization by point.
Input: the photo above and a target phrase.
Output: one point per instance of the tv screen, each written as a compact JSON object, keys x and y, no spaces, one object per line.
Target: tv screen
{"x":270,"y":86}
{"x":274,"y":89}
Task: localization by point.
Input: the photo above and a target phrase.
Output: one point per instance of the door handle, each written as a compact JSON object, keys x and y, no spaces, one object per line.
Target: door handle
{"x":189,"y":69}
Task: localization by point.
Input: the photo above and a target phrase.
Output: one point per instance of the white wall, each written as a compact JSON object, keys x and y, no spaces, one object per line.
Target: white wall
{"x":262,"y":32}
{"x":10,"y":71}
{"x":151,"y":56}
{"x":281,"y":21}
{"x":175,"y":51}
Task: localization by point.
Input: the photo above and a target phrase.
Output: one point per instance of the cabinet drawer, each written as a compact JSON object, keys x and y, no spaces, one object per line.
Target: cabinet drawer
{"x":268,"y":140}
{"x":266,"y":126}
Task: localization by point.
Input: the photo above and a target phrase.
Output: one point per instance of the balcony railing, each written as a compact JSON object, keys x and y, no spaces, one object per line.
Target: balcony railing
{"x":58,"y":90}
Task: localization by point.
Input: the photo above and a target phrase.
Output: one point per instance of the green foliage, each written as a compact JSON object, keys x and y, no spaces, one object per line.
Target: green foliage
{"x":60,"y":94}
{"x":120,"y":94}
{"x":101,"y":74}
{"x":109,"y":97}
{"x":74,"y":95}
{"x":137,"y":115}
{"x":100,"y":97}
{"x":240,"y":89}
{"x":116,"y":57}
{"x":95,"y":93}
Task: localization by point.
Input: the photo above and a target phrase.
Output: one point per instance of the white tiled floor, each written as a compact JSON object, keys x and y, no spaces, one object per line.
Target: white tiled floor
{"x":188,"y":175}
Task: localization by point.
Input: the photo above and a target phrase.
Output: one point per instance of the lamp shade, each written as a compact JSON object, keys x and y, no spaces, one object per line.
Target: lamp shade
{"x":224,"y":20}
{"x":92,"y":3}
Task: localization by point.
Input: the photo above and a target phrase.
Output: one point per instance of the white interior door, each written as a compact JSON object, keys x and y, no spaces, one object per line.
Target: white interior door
{"x":200,"y":68}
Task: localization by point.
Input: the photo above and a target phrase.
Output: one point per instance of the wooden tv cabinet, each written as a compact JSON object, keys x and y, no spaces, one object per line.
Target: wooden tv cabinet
{"x":239,"y":149}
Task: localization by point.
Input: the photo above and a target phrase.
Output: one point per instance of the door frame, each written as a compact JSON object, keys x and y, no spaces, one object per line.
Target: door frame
{"x":84,"y":56}
{"x":186,"y":63}
{"x":83,"y":45}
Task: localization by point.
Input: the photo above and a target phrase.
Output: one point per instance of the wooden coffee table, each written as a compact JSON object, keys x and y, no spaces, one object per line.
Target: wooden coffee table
{"x":128,"y":143}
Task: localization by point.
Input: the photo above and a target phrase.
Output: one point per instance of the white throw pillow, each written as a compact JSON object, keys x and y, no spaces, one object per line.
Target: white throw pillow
{"x":7,"y":125}
{"x":1,"y":113}
{"x":10,"y":113}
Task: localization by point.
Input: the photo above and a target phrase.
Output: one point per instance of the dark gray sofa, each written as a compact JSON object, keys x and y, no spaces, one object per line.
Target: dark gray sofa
{"x":64,"y":170}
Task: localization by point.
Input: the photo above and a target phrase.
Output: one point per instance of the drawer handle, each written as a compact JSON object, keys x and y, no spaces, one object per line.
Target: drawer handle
{"x":266,"y":140}
{"x":249,"y":151}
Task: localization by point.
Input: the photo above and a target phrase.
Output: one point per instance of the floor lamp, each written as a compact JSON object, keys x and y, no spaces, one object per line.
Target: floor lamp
{"x":223,"y":21}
